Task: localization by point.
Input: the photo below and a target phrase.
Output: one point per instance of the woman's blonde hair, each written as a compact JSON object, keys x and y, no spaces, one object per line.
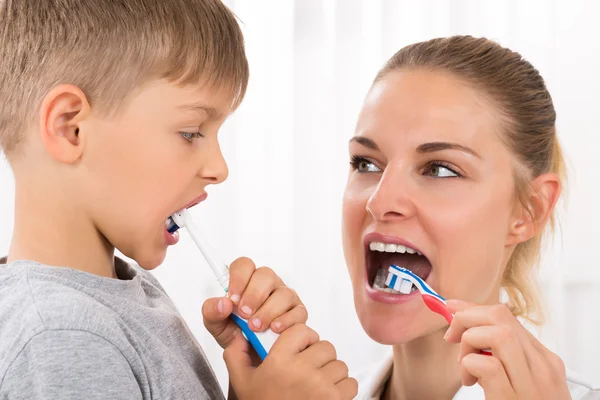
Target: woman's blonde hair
{"x":528,"y":123}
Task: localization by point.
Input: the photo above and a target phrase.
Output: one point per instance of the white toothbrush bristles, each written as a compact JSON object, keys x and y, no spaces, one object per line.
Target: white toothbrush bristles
{"x":405,"y":286}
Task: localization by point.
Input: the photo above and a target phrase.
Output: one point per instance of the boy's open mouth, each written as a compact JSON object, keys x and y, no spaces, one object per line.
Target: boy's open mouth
{"x":380,"y":255}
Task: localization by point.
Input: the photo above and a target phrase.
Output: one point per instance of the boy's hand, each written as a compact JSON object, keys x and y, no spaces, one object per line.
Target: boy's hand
{"x":262,"y":298}
{"x":299,"y":366}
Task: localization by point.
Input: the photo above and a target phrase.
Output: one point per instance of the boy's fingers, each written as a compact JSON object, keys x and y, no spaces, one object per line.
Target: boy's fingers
{"x":240,"y":272}
{"x":263,"y":282}
{"x":319,"y":354}
{"x":296,"y":315}
{"x":348,"y":388}
{"x":295,"y":340}
{"x":335,"y":371}
{"x":282,"y":300}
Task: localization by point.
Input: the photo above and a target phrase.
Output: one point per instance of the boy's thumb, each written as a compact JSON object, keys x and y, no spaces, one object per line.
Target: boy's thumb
{"x":216,"y":312}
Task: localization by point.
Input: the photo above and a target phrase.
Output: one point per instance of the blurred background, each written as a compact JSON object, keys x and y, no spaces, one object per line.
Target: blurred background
{"x":312,"y":62}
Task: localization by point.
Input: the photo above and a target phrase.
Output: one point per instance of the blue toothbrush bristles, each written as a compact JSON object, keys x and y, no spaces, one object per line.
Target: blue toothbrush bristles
{"x":172,"y":227}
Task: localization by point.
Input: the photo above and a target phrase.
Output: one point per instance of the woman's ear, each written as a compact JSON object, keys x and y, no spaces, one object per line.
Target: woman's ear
{"x":62,"y":111}
{"x":541,"y":201}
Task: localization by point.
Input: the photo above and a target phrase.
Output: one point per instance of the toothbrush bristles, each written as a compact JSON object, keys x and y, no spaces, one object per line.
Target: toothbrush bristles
{"x":172,"y":227}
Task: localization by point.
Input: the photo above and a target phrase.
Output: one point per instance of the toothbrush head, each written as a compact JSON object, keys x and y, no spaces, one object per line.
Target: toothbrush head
{"x":171,"y":226}
{"x":433,"y":301}
{"x":176,"y":221}
{"x":416,"y":280}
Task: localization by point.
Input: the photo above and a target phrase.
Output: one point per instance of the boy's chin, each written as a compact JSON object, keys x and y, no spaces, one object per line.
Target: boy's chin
{"x":149,"y":259}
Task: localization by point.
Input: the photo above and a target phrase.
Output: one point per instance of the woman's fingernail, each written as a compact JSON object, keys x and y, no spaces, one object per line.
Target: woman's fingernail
{"x":447,"y":334}
{"x":247,"y":310}
{"x":256,"y":322}
{"x":276,"y":325}
{"x":235,"y":298}
{"x":220,"y":306}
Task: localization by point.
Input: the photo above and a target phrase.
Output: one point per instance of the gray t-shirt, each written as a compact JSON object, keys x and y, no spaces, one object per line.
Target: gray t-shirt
{"x":67,"y":334}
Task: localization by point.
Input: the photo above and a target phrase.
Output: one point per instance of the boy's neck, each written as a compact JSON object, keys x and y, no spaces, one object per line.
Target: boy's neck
{"x":419,"y":363}
{"x":53,"y":232}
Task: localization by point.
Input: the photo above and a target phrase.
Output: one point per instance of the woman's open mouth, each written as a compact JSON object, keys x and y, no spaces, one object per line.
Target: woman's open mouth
{"x":381,"y":252}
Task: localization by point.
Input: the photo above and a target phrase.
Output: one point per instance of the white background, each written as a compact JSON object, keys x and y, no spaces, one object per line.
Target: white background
{"x":312,"y":62}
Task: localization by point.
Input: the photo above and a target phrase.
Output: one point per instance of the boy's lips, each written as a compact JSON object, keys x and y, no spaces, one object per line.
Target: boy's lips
{"x":197,"y":200}
{"x":172,"y":238}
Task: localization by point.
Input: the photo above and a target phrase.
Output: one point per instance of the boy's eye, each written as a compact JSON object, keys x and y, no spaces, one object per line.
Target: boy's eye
{"x":440,"y":170}
{"x":190,"y":136}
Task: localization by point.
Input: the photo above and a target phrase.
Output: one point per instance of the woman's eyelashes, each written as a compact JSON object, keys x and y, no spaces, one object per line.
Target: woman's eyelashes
{"x":190,"y":136}
{"x":362,"y":164}
{"x":434,"y":169}
{"x":440,"y":169}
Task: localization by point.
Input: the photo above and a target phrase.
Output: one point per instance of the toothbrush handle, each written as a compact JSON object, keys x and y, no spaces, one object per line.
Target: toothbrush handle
{"x":260,"y":341}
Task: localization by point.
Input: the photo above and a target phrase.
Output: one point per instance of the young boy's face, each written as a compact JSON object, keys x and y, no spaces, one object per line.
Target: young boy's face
{"x":156,"y":157}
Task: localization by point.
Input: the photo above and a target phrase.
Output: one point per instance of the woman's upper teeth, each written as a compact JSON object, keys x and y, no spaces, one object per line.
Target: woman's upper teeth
{"x":391,"y":248}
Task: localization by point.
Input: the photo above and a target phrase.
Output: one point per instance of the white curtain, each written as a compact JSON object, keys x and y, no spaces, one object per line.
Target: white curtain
{"x":312,"y":62}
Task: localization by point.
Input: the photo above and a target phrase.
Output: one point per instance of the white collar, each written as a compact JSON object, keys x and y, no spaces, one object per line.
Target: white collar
{"x":372,"y":382}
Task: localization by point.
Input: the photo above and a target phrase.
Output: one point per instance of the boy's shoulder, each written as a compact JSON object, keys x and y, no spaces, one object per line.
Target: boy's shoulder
{"x":35,"y":299}
{"x":64,"y":321}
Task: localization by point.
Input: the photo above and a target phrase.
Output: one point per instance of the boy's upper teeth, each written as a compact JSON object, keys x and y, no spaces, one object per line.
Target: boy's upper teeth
{"x":391,"y":248}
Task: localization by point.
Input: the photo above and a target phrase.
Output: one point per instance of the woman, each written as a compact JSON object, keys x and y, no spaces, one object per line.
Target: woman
{"x":455,"y":172}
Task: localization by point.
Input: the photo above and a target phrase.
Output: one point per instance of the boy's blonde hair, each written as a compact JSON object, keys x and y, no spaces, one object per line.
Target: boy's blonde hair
{"x":108,"y":48}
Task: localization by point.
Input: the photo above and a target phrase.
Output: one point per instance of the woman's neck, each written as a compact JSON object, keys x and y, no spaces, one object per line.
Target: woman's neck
{"x":425,"y":368}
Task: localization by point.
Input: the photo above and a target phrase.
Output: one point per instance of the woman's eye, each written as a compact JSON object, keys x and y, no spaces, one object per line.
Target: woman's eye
{"x":361,"y":164}
{"x":439,"y":170}
{"x":190,"y":136}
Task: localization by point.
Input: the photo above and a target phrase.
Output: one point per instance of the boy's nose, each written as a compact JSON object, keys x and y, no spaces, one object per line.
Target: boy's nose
{"x":214,"y":169}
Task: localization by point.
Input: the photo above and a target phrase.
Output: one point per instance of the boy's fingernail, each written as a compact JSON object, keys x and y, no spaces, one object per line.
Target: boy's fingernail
{"x":247,"y":310}
{"x":235,"y":298}
{"x":256,"y":322}
{"x":220,"y":306}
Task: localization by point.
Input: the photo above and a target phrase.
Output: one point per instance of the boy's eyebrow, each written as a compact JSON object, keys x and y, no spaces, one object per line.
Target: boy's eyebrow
{"x":199,"y":107}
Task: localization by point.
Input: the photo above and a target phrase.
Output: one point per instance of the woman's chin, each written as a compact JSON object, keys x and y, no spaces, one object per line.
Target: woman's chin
{"x":391,"y":330}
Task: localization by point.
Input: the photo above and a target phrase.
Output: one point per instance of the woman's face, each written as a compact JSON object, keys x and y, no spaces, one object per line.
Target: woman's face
{"x":430,"y":175}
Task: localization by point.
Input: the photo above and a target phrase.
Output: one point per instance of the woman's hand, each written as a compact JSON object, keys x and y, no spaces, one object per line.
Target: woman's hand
{"x":520,"y":367}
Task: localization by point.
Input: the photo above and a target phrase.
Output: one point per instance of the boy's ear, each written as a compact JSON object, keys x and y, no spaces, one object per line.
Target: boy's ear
{"x":62,"y":111}
{"x":528,"y":221}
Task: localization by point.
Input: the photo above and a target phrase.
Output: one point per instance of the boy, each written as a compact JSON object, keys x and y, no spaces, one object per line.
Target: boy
{"x":109,"y":113}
